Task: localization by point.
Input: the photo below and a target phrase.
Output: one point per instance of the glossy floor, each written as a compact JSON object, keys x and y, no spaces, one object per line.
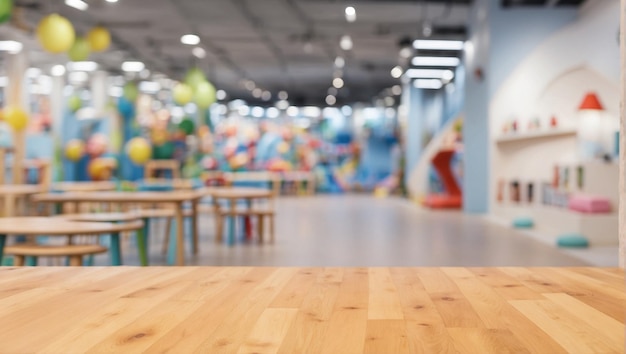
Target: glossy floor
{"x":360,"y":230}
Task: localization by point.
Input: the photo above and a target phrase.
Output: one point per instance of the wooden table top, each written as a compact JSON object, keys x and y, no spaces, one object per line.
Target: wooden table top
{"x":317,"y":310}
{"x":33,"y":225}
{"x":237,"y":192}
{"x":85,"y":186}
{"x":20,"y":189}
{"x":120,"y":197}
{"x":101,"y":217}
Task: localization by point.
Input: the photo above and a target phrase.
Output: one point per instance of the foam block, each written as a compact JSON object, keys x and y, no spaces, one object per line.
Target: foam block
{"x":572,"y":241}
{"x":586,"y":203}
{"x":523,"y":223}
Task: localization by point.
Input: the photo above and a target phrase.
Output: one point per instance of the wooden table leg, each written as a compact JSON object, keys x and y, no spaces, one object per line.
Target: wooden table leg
{"x":231,"y":223}
{"x":9,"y":205}
{"x":116,"y":253}
{"x":180,"y":239}
{"x":247,"y":220}
{"x":141,"y":244}
{"x":3,"y":240}
{"x":194,"y":225}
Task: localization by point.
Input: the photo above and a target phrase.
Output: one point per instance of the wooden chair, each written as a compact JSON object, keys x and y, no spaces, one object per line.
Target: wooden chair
{"x":153,"y":166}
{"x":260,"y":213}
{"x":74,"y":252}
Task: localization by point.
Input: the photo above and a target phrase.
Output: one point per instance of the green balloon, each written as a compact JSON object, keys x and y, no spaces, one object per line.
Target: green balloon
{"x":194,"y":77}
{"x":74,"y":103}
{"x":205,"y":95}
{"x":131,"y":92}
{"x":164,"y":151}
{"x":6,"y":8}
{"x":80,"y":50}
{"x":187,"y":126}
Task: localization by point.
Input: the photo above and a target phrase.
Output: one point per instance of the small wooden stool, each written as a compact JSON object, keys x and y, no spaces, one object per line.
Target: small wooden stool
{"x":74,"y":252}
{"x":260,"y":214}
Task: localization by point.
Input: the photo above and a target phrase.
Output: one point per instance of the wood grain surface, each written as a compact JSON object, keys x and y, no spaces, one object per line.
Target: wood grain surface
{"x":316,"y":310}
{"x":36,"y":225}
{"x":120,"y":197}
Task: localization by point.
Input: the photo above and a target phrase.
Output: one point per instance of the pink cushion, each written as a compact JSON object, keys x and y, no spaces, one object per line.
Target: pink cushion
{"x":586,"y":203}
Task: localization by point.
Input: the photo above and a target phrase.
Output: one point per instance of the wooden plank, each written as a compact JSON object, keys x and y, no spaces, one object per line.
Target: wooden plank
{"x":294,"y":292}
{"x":507,"y":286}
{"x":497,"y":341}
{"x":311,"y":325}
{"x":386,"y":336}
{"x":208,"y":318}
{"x":572,"y":333}
{"x":453,"y":308}
{"x":384,"y":303}
{"x":233,"y":329}
{"x":269,"y":331}
{"x":497,"y":313}
{"x":348,"y":321}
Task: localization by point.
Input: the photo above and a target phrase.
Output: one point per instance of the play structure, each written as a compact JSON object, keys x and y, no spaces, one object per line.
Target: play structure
{"x":451,"y":196}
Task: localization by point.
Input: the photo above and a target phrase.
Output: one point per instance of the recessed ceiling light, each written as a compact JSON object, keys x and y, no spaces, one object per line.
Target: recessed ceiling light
{"x":437,"y":44}
{"x":283,"y":95}
{"x":282,"y":104}
{"x":258,"y":112}
{"x":133,"y":66}
{"x":250,"y":85}
{"x":430,"y":84}
{"x":292,"y":111}
{"x":338,"y":82}
{"x":350,"y":14}
{"x":77,"y":4}
{"x":396,"y":72}
{"x":198,"y":52}
{"x":111,"y":0}
{"x":272,"y":112}
{"x":257,"y":93}
{"x":430,"y":74}
{"x":11,"y":46}
{"x":190,"y":39}
{"x":266,"y":96}
{"x":82,"y":66}
{"x":346,"y":42}
{"x":340,"y":62}
{"x":220,"y":95}
{"x":396,"y":90}
{"x":331,"y":100}
{"x":435,"y":61}
{"x":57,"y":70}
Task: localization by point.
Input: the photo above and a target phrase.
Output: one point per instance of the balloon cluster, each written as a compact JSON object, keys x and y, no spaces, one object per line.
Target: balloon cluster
{"x":56,"y":35}
{"x":195,"y":88}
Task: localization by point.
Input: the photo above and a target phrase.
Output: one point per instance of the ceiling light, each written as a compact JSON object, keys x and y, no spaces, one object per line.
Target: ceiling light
{"x":340,"y":62}
{"x":57,"y":70}
{"x":396,"y":90}
{"x":292,"y":111}
{"x":282,"y":104}
{"x":389,"y":101}
{"x":331,"y":100}
{"x":346,"y":42}
{"x":149,"y":86}
{"x":77,"y":4}
{"x":406,"y":52}
{"x":430,"y":74}
{"x":133,"y":66}
{"x":427,"y":29}
{"x":311,"y":111}
{"x":198,"y":52}
{"x":431,"y":84}
{"x":78,"y":77}
{"x":396,"y":72}
{"x":82,"y":66}
{"x":112,"y":1}
{"x":220,"y":95}
{"x":266,"y":96}
{"x":258,"y":112}
{"x":116,"y":91}
{"x":350,"y":14}
{"x":243,"y":110}
{"x":12,"y":47}
{"x":437,"y":44}
{"x":257,"y":93}
{"x":346,"y":110}
{"x":283,"y":95}
{"x":249,"y":84}
{"x":435,"y":61}
{"x":190,"y":39}
{"x":272,"y":112}
{"x":338,"y":82}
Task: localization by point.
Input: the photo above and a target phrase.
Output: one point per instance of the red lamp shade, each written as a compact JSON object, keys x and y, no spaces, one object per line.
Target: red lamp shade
{"x":592,"y":102}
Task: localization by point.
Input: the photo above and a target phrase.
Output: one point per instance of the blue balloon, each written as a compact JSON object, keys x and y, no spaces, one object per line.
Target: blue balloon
{"x":126,"y":108}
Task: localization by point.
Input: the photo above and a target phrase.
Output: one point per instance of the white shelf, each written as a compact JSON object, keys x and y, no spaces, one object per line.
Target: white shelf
{"x":542,"y":134}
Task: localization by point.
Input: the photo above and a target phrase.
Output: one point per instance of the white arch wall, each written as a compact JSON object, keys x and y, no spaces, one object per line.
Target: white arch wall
{"x":554,"y":77}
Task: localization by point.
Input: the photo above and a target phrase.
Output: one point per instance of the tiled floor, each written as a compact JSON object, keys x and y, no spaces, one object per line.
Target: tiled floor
{"x":359,"y":230}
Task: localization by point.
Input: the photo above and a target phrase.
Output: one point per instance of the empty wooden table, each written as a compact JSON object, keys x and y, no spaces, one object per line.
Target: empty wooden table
{"x":318,"y":310}
{"x":175,"y":197}
{"x":83,"y":186}
{"x":42,"y":226}
{"x":10,"y":193}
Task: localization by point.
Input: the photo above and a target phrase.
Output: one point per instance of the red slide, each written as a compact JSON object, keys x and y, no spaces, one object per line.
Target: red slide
{"x":452,"y":196}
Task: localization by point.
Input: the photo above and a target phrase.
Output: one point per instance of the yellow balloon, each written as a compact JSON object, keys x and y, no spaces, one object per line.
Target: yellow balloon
{"x":99,"y":169}
{"x":159,"y":136}
{"x":74,"y":149}
{"x":16,"y":118}
{"x":99,"y":39}
{"x":139,"y":150}
{"x":182,"y":93}
{"x":55,"y":33}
